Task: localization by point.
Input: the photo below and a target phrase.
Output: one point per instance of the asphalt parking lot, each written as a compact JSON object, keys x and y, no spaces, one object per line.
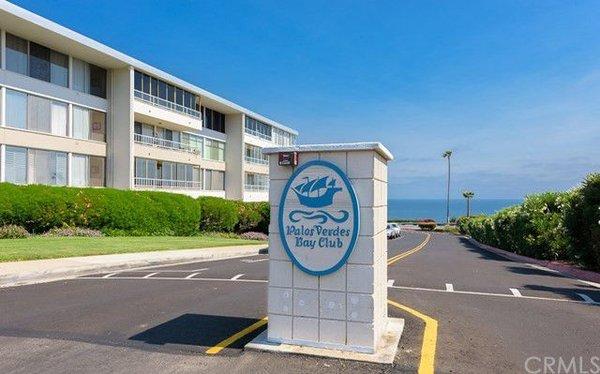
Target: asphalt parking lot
{"x":491,"y":315}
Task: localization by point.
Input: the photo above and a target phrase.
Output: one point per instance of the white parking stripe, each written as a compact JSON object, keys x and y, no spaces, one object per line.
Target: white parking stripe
{"x":237,"y":277}
{"x":479,"y":294}
{"x":149,"y":275}
{"x":191,"y":275}
{"x":109,"y":275}
{"x":593,"y":284}
{"x":390,"y":282}
{"x":542,"y":268}
{"x":253,"y":261}
{"x":179,"y":279}
{"x":586,"y":298}
{"x":515,"y":292}
{"x":449,"y":287}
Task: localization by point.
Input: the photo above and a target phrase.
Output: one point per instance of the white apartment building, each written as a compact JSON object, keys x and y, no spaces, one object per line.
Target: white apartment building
{"x":74,"y":112}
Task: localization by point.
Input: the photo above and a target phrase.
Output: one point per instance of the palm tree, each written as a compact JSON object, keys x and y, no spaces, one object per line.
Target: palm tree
{"x":447,"y":155}
{"x":468,"y":195}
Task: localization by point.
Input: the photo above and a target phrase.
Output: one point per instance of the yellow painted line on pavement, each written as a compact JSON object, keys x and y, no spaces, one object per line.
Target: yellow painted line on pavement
{"x":427,"y":362}
{"x":409,"y":252}
{"x":235,"y":337}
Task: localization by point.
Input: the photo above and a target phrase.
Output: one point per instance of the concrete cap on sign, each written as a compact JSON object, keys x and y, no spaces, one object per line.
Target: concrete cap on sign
{"x":363,"y":146}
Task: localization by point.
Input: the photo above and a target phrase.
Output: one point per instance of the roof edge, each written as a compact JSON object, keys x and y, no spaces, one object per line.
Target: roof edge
{"x":360,"y":146}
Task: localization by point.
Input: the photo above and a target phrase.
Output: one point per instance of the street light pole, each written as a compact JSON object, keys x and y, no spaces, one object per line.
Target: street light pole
{"x":447,"y":155}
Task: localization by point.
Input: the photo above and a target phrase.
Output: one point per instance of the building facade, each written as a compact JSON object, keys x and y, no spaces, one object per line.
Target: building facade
{"x":74,"y":112}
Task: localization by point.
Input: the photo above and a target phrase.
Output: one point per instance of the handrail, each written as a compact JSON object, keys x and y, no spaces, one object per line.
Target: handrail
{"x":258,"y":134}
{"x":157,"y":101}
{"x":165,"y":143}
{"x":167,"y":183}
{"x":255,"y":187}
{"x":255,"y":160}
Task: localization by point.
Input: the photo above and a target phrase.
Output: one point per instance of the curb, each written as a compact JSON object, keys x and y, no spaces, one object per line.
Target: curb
{"x":565,"y":269}
{"x":81,"y":266}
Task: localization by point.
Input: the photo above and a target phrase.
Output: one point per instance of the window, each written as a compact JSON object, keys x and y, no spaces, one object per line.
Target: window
{"x":254,"y":154}
{"x":49,"y":167}
{"x":214,"y":150}
{"x":38,"y":114}
{"x":98,"y":120}
{"x":214,"y":180}
{"x":214,"y":120}
{"x":157,"y":88}
{"x":97,"y":81}
{"x":137,"y":80}
{"x":16,"y":54}
{"x":81,"y":123}
{"x":87,"y":171}
{"x":35,"y":113}
{"x":283,"y":138}
{"x":257,"y":128}
{"x":80,"y":166}
{"x":89,"y":78}
{"x":16,"y":109}
{"x":37,"y":61}
{"x":89,"y":124}
{"x":192,"y":142}
{"x":256,"y":182}
{"x":16,"y":165}
{"x":81,"y":76}
{"x":59,"y":69}
{"x":58,"y":117}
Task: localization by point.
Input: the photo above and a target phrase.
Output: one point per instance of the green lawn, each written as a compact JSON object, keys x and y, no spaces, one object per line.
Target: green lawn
{"x":40,"y":247}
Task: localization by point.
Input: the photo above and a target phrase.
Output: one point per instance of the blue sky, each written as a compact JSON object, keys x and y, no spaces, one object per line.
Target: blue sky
{"x":512,"y":87}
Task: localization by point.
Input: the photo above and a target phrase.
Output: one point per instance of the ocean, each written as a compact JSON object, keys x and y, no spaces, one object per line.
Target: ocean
{"x":436,"y":208}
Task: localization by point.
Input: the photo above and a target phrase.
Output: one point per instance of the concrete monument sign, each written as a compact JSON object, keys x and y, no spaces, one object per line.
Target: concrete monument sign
{"x":318,"y":218}
{"x":327,"y":291}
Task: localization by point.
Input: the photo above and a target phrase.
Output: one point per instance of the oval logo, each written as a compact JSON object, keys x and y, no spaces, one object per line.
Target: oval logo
{"x":318,"y":217}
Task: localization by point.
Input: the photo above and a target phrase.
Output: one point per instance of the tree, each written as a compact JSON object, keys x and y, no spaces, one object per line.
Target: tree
{"x":447,"y":155}
{"x":468,"y":195}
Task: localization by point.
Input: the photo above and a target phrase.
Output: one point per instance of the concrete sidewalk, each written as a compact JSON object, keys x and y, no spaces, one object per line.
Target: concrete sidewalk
{"x":40,"y":271}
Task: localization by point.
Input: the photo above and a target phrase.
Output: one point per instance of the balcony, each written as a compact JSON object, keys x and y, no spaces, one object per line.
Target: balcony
{"x":258,"y":134}
{"x":162,"y":103}
{"x":165,"y":143}
{"x":256,"y":188}
{"x":255,"y":160}
{"x":166,"y":184}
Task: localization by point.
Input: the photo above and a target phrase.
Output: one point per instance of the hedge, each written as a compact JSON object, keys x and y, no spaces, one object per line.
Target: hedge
{"x":217,"y":214}
{"x":114,"y":212}
{"x":550,"y":226}
{"x":38,"y":209}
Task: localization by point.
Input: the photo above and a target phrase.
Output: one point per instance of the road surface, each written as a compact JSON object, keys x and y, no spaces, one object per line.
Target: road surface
{"x":492,"y":315}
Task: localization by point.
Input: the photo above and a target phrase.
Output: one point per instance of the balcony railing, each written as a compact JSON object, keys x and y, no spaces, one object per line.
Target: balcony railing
{"x":258,"y":134}
{"x":165,"y":143}
{"x":256,"y":187}
{"x":157,"y":101}
{"x":256,"y":160}
{"x":167,"y":184}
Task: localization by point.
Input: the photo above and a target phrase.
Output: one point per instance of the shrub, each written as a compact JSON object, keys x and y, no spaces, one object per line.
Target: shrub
{"x":40,"y":208}
{"x":218,"y":214}
{"x":250,"y":235}
{"x":253,"y":217}
{"x":582,"y":222}
{"x":13,"y":232}
{"x":427,"y":224}
{"x":73,"y":231}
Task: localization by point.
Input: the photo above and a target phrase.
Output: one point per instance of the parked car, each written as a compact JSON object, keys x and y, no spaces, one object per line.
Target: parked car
{"x":396,"y":227}
{"x":392,"y":232}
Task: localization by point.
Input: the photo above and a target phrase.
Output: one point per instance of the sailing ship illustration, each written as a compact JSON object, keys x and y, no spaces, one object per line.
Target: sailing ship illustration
{"x":317,"y":192}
